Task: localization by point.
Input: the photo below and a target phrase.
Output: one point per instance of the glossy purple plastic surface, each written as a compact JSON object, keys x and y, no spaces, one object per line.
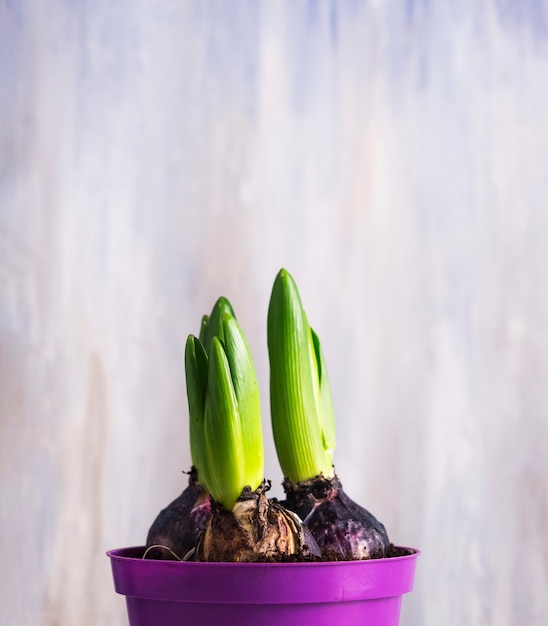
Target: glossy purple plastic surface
{"x":171,"y":593}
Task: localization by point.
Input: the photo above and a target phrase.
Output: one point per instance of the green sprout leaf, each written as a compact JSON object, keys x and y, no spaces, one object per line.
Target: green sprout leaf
{"x":196,"y":385}
{"x":326,"y":402}
{"x":203,"y":329}
{"x":246,"y":388}
{"x":223,"y":431}
{"x":300,"y":395}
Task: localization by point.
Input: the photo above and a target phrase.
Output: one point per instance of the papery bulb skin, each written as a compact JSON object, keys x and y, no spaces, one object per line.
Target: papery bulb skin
{"x":343,"y":529}
{"x":255,"y":530}
{"x":178,"y":526}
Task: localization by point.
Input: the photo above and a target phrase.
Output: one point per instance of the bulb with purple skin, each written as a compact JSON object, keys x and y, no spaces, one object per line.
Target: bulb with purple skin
{"x":176,"y":529}
{"x":343,"y":529}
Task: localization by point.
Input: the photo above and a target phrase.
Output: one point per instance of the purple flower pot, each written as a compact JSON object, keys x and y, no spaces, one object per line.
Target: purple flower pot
{"x":171,"y":593}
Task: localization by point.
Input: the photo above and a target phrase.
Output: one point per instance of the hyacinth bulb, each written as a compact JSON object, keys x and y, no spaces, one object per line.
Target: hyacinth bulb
{"x":303,"y":424}
{"x":256,"y":529}
{"x":343,"y":529}
{"x":176,"y":529}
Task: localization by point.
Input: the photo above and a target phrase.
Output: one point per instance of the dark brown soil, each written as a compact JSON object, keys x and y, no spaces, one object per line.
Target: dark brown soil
{"x":393,"y":551}
{"x":397,"y":551}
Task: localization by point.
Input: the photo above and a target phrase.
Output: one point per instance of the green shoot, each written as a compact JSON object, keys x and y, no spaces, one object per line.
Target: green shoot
{"x":196,"y":384}
{"x":224,"y":406}
{"x":300,"y":394}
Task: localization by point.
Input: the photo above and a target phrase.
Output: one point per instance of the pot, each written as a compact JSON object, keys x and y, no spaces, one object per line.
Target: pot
{"x":174,"y":593}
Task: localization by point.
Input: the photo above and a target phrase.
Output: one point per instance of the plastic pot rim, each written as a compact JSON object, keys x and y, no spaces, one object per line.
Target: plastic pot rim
{"x":261,"y":583}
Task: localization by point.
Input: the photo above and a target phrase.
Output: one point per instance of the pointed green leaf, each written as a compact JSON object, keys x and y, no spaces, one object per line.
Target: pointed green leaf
{"x":246,"y":388}
{"x":196,"y":385}
{"x":223,"y":432}
{"x":326,"y":402}
{"x":203,"y":328}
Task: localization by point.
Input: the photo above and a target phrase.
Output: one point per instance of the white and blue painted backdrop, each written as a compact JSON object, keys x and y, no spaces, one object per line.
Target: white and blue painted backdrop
{"x":393,"y":156}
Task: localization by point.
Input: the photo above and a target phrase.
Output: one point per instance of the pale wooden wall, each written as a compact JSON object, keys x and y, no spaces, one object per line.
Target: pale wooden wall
{"x":393,"y":156}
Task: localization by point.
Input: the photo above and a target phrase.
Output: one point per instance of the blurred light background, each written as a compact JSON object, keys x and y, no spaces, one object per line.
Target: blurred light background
{"x":393,"y":156}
